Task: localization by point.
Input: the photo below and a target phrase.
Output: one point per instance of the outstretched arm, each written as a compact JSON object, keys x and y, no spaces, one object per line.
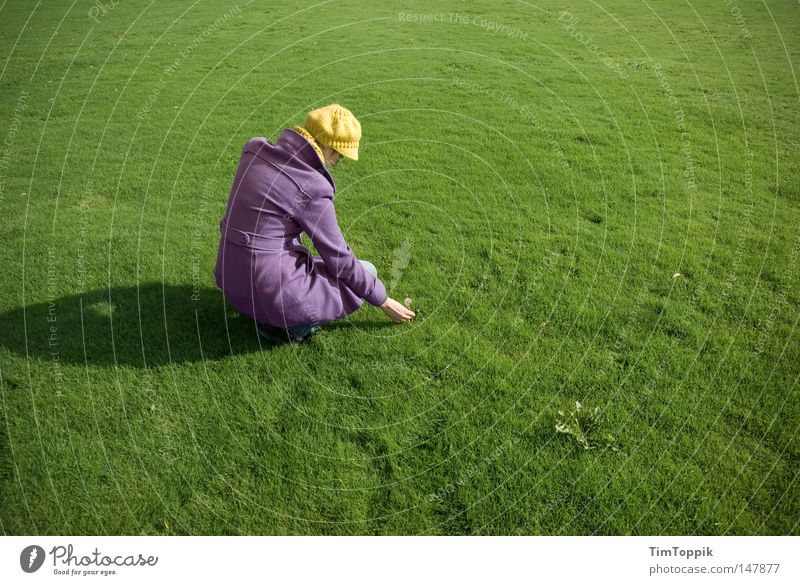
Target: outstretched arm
{"x":318,"y":220}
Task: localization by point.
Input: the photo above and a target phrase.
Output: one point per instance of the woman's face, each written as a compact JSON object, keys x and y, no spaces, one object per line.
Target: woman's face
{"x":332,"y":157}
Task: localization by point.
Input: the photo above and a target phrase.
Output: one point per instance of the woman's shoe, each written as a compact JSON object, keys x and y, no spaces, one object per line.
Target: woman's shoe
{"x":273,"y":334}
{"x":278,"y":335}
{"x":303,"y":332}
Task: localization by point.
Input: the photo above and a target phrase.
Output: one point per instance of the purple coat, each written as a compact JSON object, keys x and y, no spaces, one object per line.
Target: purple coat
{"x":262,"y":267}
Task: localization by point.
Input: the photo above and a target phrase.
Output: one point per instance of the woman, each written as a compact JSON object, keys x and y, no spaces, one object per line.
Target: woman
{"x":279,"y":191}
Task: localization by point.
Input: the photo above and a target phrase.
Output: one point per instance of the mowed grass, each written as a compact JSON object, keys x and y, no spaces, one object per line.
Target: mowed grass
{"x":599,"y":206}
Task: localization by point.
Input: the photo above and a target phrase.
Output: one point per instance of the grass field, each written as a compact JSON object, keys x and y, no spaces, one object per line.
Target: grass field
{"x":592,"y":202}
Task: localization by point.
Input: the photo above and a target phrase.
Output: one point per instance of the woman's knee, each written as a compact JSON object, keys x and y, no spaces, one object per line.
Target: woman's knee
{"x":370,"y":267}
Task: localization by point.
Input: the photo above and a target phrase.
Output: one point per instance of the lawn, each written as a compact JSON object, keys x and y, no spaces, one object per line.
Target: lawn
{"x":586,"y":202}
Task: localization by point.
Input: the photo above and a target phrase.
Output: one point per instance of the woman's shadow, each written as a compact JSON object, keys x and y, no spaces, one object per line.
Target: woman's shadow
{"x":150,"y":325}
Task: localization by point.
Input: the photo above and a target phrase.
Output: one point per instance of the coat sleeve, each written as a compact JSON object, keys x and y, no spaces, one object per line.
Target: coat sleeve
{"x":318,"y":220}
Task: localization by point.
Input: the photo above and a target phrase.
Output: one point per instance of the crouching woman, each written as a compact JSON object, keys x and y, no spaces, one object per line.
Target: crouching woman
{"x":281,"y":190}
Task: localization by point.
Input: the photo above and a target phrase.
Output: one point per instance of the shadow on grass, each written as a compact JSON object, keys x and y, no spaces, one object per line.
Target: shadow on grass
{"x":151,"y":325}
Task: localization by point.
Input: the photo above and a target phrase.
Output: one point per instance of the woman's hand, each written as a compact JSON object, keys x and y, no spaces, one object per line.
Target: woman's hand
{"x":397,"y":312}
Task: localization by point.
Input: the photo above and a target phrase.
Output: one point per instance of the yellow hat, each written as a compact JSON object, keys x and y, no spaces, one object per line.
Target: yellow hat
{"x":336,"y":127}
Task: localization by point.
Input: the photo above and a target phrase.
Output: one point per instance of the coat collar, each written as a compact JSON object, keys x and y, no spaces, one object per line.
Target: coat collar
{"x":301,"y":149}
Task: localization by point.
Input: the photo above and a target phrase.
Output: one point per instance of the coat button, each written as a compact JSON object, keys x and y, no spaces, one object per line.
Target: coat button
{"x":245,"y":239}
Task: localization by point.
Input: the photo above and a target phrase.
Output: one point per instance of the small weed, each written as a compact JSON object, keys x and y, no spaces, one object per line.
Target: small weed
{"x":584,"y":426}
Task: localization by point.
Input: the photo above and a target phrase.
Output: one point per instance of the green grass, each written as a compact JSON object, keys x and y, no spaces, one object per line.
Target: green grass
{"x":545,"y":195}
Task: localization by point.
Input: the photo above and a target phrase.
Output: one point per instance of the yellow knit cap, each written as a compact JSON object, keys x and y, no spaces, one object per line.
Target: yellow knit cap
{"x":336,"y":127}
